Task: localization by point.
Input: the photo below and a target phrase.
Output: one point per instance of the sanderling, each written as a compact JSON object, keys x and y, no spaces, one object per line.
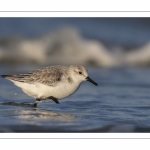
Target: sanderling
{"x":53,"y":82}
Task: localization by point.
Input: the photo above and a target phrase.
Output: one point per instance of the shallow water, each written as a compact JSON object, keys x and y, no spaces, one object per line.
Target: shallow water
{"x":121,"y":103}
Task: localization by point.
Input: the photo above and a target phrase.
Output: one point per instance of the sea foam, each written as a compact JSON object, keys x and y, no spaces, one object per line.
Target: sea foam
{"x":67,"y":46}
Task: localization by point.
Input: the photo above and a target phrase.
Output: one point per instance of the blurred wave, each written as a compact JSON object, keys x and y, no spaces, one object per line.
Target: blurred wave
{"x":67,"y":46}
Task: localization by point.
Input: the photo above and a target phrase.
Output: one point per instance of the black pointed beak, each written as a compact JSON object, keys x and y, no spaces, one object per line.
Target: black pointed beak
{"x":90,"y":80}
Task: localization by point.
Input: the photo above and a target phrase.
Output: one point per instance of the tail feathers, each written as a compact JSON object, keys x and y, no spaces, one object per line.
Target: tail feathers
{"x":5,"y":76}
{"x":8,"y":76}
{"x":13,"y":77}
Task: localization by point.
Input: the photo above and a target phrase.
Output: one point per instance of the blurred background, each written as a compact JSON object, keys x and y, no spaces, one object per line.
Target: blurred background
{"x":101,"y":42}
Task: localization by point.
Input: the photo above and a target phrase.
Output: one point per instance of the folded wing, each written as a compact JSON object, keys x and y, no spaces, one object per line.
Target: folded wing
{"x":49,"y":76}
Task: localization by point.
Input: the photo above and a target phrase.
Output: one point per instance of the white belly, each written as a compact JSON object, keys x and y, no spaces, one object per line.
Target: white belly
{"x":38,"y":90}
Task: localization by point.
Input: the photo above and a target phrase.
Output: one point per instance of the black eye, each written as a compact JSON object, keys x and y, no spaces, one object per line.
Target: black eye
{"x":80,"y":72}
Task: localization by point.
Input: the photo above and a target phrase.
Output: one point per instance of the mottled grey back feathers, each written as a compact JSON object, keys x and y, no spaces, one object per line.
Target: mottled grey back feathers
{"x":49,"y":75}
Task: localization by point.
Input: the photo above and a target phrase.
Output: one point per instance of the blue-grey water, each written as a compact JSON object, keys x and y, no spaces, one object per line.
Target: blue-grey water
{"x":121,"y":103}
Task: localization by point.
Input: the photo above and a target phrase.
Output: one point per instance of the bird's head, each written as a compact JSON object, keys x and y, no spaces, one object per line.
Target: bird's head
{"x":80,"y":74}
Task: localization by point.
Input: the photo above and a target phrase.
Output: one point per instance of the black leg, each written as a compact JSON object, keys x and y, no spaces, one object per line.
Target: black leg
{"x":54,"y":99}
{"x":35,"y":104}
{"x":37,"y":100}
{"x":51,"y":97}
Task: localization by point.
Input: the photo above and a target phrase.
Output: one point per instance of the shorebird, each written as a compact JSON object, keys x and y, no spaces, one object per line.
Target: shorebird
{"x":53,"y":82}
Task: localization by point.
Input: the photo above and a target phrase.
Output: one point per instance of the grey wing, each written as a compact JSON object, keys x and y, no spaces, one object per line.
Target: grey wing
{"x":47,"y":76}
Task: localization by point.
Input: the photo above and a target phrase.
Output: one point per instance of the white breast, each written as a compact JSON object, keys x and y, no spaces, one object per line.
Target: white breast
{"x":59,"y":91}
{"x":38,"y":90}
